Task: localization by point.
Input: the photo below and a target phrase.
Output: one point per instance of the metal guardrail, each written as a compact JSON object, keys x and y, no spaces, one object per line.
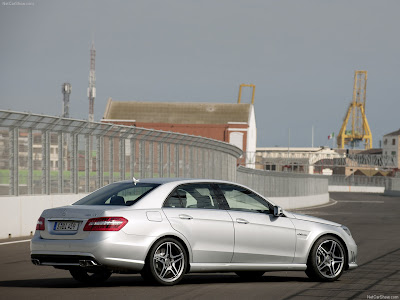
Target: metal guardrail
{"x":282,"y":184}
{"x":357,"y":180}
{"x":45,"y":155}
{"x":302,"y":161}
{"x":49,"y":155}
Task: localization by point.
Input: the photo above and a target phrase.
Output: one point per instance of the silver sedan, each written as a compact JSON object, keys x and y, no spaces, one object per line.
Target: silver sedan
{"x":165,"y":228}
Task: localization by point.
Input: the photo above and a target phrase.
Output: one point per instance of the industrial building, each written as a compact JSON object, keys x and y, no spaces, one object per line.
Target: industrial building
{"x":231,"y":123}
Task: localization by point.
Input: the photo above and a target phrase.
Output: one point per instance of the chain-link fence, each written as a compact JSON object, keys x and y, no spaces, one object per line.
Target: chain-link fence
{"x":49,"y":155}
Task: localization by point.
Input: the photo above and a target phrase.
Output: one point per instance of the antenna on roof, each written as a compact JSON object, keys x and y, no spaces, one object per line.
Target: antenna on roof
{"x":135,"y":181}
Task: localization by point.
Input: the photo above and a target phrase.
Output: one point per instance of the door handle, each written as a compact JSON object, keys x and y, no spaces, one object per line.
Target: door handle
{"x":242,"y":221}
{"x":185,"y":217}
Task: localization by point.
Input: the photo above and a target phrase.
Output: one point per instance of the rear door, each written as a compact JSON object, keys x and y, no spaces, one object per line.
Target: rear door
{"x":193,"y":210}
{"x":260,"y":237}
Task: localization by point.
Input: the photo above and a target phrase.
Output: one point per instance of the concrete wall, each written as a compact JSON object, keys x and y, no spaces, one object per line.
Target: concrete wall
{"x":393,"y":187}
{"x":22,"y":213}
{"x":356,"y":189}
{"x":19,"y":214}
{"x":288,"y":190}
{"x":282,"y":184}
{"x":301,"y":201}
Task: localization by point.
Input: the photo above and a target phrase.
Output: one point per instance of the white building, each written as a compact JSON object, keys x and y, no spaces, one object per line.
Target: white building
{"x":297,"y":159}
{"x":391,"y":146}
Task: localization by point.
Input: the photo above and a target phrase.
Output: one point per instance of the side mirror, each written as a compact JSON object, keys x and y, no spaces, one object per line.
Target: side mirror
{"x":278,"y":211}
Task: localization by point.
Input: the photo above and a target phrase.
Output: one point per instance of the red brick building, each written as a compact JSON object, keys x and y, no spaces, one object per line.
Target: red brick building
{"x":231,"y":123}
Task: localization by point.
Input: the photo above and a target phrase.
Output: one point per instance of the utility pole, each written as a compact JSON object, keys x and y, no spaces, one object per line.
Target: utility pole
{"x":288,"y":150}
{"x":312,"y":136}
{"x":66,"y":90}
{"x":91,"y":92}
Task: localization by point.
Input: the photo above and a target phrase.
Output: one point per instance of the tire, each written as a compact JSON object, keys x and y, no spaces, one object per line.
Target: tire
{"x":166,"y":262}
{"x":96,"y":277}
{"x":327,"y":259}
{"x":250,"y":275}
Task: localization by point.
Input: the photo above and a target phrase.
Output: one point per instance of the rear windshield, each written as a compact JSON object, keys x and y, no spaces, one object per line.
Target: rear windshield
{"x":119,"y":193}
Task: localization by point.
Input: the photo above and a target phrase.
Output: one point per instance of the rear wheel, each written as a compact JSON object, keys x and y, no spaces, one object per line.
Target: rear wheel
{"x":166,"y":262}
{"x":94,"y":277}
{"x":250,"y":275}
{"x":326,"y":260}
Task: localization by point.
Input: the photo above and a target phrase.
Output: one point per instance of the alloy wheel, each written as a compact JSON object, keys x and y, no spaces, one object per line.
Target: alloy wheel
{"x":330,"y":258}
{"x":169,"y":261}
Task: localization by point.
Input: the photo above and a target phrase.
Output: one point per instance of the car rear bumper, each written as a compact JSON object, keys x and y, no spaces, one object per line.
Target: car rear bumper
{"x":117,"y":251}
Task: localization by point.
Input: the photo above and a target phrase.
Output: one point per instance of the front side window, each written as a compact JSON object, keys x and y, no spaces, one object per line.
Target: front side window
{"x":119,"y":193}
{"x":241,"y":199}
{"x":192,"y":196}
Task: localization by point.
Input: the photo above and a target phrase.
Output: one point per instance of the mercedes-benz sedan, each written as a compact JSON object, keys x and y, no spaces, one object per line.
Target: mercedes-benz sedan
{"x":165,"y":228}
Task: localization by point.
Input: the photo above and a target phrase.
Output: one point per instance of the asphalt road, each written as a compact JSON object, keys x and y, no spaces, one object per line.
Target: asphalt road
{"x":374,"y":221}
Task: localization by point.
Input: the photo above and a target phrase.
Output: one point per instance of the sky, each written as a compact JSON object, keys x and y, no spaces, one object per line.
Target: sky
{"x":301,"y":55}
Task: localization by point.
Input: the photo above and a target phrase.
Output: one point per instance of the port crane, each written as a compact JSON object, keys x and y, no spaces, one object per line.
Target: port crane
{"x":355,"y":126}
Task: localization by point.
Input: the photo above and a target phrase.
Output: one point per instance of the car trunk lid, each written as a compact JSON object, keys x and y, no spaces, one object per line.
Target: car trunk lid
{"x":67,"y":222}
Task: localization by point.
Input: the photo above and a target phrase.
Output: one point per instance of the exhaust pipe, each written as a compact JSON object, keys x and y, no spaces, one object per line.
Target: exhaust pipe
{"x":35,"y":261}
{"x":87,"y":263}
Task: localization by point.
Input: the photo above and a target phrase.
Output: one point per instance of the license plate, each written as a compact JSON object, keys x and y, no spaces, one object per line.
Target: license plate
{"x":66,"y":226}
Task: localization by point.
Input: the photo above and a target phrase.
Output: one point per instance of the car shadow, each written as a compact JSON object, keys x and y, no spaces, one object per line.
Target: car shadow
{"x":136,"y":280}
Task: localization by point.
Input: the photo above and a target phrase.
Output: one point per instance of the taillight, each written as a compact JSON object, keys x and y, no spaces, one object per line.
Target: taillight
{"x":40,"y":224}
{"x":105,"y":224}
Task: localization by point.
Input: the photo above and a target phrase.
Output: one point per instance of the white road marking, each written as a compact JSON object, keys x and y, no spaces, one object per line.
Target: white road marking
{"x":15,"y":242}
{"x":331,"y":202}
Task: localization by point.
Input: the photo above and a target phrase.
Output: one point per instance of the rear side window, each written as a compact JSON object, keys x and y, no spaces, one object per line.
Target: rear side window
{"x":193,"y":196}
{"x":119,"y":193}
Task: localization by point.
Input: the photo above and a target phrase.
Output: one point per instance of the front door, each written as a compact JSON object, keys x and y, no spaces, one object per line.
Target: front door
{"x":260,"y":237}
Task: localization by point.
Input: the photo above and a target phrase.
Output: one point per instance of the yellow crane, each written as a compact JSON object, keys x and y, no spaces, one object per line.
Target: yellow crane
{"x":252,"y":94}
{"x":359,"y":130}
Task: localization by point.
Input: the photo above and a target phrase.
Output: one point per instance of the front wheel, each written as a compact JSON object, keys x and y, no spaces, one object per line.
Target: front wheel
{"x":326,"y":260}
{"x":166,"y":262}
{"x":94,"y":277}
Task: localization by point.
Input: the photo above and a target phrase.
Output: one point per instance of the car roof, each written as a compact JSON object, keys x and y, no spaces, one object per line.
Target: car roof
{"x":175,"y":180}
